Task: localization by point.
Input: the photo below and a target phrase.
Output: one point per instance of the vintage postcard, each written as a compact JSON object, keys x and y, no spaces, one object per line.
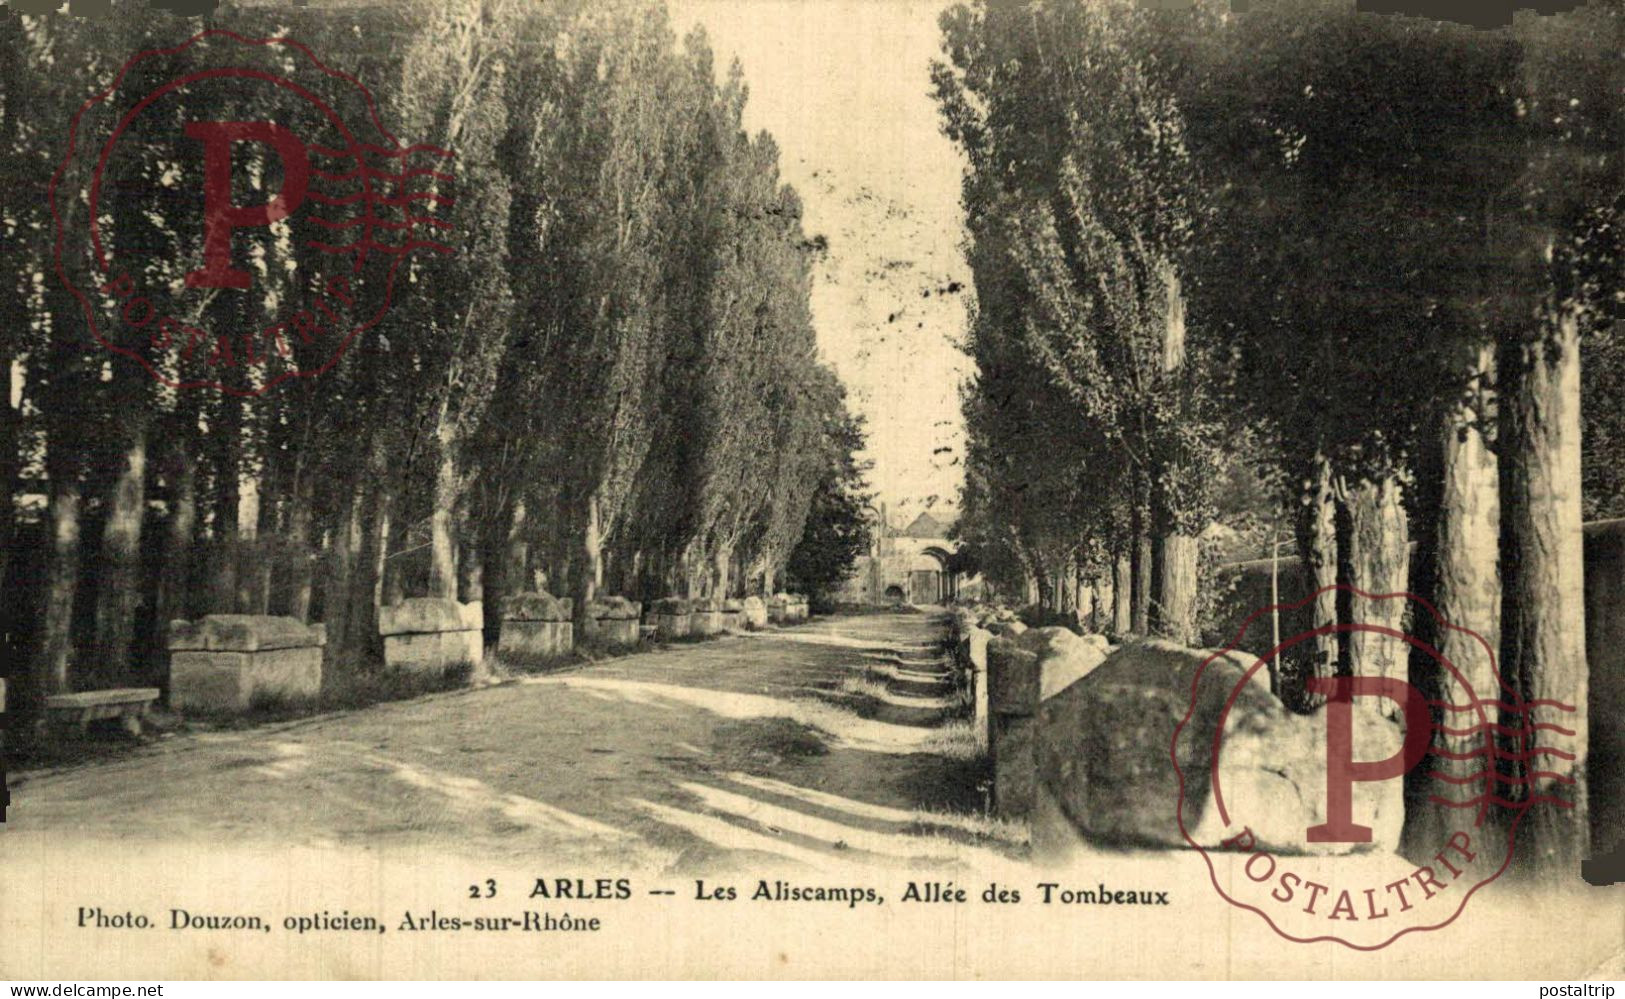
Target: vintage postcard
{"x":832,"y":489}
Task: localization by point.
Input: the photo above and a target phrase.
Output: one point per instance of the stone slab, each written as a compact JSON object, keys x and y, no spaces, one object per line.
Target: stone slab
{"x":100,"y":698}
{"x":430,"y":615}
{"x":538,"y":606}
{"x":244,"y":633}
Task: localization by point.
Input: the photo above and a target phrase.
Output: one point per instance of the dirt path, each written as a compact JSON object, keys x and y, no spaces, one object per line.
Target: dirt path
{"x":817,"y":743}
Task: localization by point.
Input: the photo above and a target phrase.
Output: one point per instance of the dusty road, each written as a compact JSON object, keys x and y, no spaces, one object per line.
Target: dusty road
{"x":821,"y":742}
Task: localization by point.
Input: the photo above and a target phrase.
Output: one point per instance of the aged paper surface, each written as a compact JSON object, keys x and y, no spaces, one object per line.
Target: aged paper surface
{"x":811,"y":489}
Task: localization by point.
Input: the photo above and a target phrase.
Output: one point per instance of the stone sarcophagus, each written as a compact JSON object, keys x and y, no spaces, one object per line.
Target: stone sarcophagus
{"x":706,"y":617}
{"x":671,"y":617}
{"x":787,"y":608}
{"x":536,"y":624}
{"x":1021,"y":674}
{"x":1012,"y":706}
{"x":612,"y":621}
{"x":433,"y":635}
{"x":733,"y":615}
{"x":231,"y":662}
{"x":755,"y":610}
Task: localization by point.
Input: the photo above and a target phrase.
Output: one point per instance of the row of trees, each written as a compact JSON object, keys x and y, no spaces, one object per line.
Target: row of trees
{"x":1357,"y":254}
{"x":610,"y":384}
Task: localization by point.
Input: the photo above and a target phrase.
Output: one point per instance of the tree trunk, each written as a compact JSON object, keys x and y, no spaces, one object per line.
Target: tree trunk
{"x":55,"y":653}
{"x":471,"y":574}
{"x":1141,"y":607}
{"x":339,"y":605}
{"x":442,"y":528}
{"x":1043,"y":589}
{"x":1175,"y":609}
{"x":1317,"y":545}
{"x":254,"y":568}
{"x":1122,"y":595}
{"x":384,"y":575}
{"x":224,"y":552}
{"x":722,"y":561}
{"x":1069,"y":589}
{"x":1380,"y":562}
{"x":10,"y":468}
{"x":174,"y":597}
{"x":296,"y":602}
{"x":1543,"y":606}
{"x":516,"y":559}
{"x":118,"y":577}
{"x":387,"y":543}
{"x":591,"y":571}
{"x":1467,"y":594}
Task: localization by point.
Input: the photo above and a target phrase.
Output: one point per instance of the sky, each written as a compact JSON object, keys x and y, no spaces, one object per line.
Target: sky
{"x":844,"y":87}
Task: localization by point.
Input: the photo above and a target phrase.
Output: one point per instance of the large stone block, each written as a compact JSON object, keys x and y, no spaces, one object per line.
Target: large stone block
{"x":539,"y":606}
{"x":430,"y":635}
{"x":244,"y":633}
{"x":778,"y":608}
{"x":755,"y":609}
{"x":1015,"y":778}
{"x":671,"y":617}
{"x":1064,"y":657}
{"x":430,"y":615}
{"x":1013,"y":678}
{"x":231,"y":662}
{"x":705,"y":618}
{"x":733,"y":615}
{"x":536,"y":625}
{"x":975,"y":661}
{"x":613,"y":621}
{"x":536,"y":638}
{"x":1104,"y":745}
{"x":435,"y":652}
{"x":1020,"y":674}
{"x":797,"y":609}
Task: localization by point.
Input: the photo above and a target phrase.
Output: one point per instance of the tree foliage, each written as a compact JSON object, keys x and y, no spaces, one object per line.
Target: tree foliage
{"x":608,"y":380}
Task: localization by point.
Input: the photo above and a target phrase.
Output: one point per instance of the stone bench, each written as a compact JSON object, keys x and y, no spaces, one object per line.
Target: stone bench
{"x":227,"y":662}
{"x":613,"y":621}
{"x":536,"y":624}
{"x":432,"y":635}
{"x":128,"y":704}
{"x":671,"y":617}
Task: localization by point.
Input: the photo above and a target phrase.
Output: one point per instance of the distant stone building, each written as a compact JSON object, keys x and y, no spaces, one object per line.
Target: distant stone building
{"x":907,"y":565}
